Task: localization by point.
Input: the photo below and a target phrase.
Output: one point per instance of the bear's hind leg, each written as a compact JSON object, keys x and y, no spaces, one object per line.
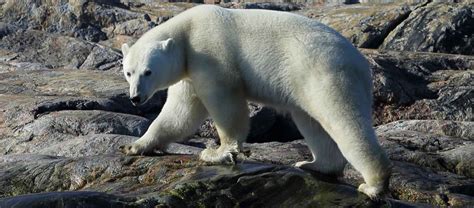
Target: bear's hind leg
{"x":345,"y":113}
{"x":327,"y":157}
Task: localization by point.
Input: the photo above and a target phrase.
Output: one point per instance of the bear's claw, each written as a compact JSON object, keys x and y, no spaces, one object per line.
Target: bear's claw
{"x":130,"y":149}
{"x":305,"y":165}
{"x":373,"y":192}
{"x":218,"y":156}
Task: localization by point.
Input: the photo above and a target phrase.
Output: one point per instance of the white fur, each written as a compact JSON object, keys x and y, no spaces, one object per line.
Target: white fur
{"x":215,"y":60}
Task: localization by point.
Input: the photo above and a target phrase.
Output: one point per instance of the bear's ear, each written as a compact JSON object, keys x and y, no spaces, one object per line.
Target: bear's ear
{"x":125,"y":49}
{"x":167,"y":44}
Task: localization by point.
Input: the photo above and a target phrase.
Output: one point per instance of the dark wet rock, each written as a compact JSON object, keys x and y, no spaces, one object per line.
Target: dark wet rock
{"x":421,"y":86}
{"x":6,"y":29}
{"x":437,"y":27}
{"x":71,"y":199}
{"x":173,"y":180}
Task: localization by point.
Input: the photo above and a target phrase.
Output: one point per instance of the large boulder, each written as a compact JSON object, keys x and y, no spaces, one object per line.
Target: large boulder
{"x":55,"y":128}
{"x":82,"y":19}
{"x":175,"y":181}
{"x":411,"y":85}
{"x":43,"y":107}
{"x":366,"y":26}
{"x":437,"y":27}
{"x":433,"y":160}
{"x":54,"y":51}
{"x":439,"y":145}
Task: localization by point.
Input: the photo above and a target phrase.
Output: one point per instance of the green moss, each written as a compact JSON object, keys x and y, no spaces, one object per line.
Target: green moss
{"x":192,"y":193}
{"x":19,"y":187}
{"x":60,"y":181}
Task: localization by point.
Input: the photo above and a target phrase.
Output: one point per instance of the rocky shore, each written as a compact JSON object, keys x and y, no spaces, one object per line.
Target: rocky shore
{"x":64,"y":111}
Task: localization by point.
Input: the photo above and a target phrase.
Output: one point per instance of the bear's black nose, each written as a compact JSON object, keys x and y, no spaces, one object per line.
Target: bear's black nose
{"x":135,"y":100}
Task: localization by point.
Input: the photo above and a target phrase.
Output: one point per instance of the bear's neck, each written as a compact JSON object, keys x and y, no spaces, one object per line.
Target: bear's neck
{"x":175,"y":28}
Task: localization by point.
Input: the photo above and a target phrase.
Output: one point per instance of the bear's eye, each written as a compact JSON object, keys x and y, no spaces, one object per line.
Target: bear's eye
{"x":147,"y":73}
{"x":128,"y":74}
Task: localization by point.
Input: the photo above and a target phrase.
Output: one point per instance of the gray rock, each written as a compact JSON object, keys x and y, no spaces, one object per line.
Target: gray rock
{"x":103,"y":144}
{"x":103,"y":58}
{"x":6,"y":29}
{"x":79,"y":122}
{"x":366,"y":26}
{"x":283,"y":153}
{"x":26,"y":158}
{"x":115,"y":174}
{"x":410,"y":182}
{"x":456,"y":129}
{"x":438,"y":27}
{"x":81,"y":19}
{"x":272,"y":6}
{"x":134,"y":27}
{"x":172,"y":180}
{"x":425,"y":143}
{"x":421,"y":86}
{"x":58,"y":126}
{"x":54,"y":51}
{"x":33,"y":101}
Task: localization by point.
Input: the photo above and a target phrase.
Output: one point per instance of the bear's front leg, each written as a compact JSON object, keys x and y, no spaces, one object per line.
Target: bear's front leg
{"x":229,"y":112}
{"x":180,"y":117}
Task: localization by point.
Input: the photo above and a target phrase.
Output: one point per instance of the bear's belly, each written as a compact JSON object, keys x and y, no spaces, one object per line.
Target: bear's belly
{"x":266,"y":94}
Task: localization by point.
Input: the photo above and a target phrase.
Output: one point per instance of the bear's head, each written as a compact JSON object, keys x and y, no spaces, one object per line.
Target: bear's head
{"x":150,"y":67}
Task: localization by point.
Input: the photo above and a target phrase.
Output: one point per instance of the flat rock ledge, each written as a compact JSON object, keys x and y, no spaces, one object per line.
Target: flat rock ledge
{"x":167,"y":181}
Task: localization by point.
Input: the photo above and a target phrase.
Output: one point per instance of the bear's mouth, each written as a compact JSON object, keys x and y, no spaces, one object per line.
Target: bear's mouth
{"x":140,"y":101}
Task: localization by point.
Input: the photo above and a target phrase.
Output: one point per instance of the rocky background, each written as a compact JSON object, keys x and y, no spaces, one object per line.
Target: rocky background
{"x":64,"y":111}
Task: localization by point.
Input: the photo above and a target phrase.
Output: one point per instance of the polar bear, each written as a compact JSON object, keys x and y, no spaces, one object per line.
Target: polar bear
{"x":215,"y":60}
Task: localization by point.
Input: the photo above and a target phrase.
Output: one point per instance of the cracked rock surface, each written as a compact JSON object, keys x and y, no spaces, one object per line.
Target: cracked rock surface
{"x":64,"y":111}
